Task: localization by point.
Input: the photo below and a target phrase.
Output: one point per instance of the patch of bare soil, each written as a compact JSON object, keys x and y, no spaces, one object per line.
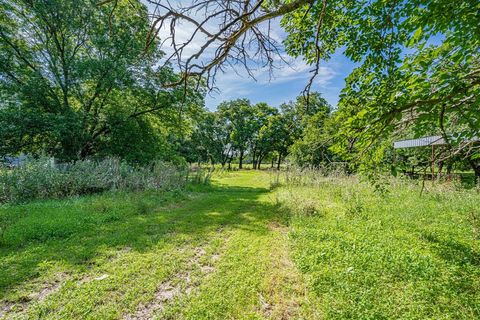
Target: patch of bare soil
{"x":277,"y":226}
{"x":5,"y":308}
{"x":165,"y":293}
{"x":8,"y":308}
{"x":179,"y":284}
{"x":50,"y":288}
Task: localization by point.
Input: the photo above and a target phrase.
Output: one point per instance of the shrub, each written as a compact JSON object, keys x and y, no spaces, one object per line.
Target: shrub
{"x":41,"y":179}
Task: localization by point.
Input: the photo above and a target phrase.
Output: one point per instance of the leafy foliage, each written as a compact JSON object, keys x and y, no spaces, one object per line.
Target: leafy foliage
{"x":78,"y":81}
{"x":418,"y":69}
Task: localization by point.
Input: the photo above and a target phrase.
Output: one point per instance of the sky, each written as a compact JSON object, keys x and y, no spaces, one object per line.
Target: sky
{"x":286,"y":83}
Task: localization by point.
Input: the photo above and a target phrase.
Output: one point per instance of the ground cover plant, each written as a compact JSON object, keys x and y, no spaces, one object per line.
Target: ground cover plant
{"x":324,"y":248}
{"x":398,"y":254}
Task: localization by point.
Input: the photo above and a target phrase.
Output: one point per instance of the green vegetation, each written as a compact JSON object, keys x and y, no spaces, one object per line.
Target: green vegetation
{"x":42,"y":179}
{"x":88,"y":79}
{"x":76,"y":82}
{"x":313,"y":247}
{"x":113,"y":214}
{"x":398,"y":255}
{"x":417,"y":71}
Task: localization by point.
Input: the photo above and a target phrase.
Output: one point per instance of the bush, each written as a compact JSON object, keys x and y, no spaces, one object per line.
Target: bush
{"x":41,"y":179}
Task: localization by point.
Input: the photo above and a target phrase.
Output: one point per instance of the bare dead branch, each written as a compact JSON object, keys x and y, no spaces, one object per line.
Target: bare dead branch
{"x":318,"y":52}
{"x":220,"y":33}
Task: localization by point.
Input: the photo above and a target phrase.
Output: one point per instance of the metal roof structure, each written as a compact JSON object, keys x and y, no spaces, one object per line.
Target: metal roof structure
{"x":420,"y":142}
{"x":426,"y":142}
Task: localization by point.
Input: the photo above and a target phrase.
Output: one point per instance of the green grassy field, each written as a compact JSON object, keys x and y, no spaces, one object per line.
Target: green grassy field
{"x":238,"y":249}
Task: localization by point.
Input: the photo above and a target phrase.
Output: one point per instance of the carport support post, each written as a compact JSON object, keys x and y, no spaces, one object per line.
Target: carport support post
{"x":433,"y":163}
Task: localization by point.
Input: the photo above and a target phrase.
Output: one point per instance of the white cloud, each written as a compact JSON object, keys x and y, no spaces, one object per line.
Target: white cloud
{"x":237,"y":83}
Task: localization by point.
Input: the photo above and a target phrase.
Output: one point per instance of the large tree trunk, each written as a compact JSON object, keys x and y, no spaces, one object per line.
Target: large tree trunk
{"x":240,"y":162}
{"x":254,"y":159}
{"x":279,"y":161}
{"x":273,"y":162}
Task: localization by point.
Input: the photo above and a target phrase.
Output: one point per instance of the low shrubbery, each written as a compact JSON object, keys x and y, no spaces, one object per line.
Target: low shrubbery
{"x":41,"y":179}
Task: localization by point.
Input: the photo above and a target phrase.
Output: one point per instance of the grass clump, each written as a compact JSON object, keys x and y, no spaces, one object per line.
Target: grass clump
{"x":41,"y":179}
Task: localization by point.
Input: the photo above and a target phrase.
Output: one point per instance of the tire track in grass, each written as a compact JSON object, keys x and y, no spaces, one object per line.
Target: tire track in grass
{"x":42,"y":292}
{"x":286,"y":291}
{"x":254,"y":279}
{"x":177,"y":286}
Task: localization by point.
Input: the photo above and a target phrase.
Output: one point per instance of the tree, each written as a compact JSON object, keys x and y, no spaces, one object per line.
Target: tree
{"x":209,"y":138}
{"x":419,"y":68}
{"x":260,"y":145}
{"x":313,"y":148}
{"x":240,"y":119}
{"x":79,"y":75}
{"x":418,"y":60}
{"x":275,"y":136}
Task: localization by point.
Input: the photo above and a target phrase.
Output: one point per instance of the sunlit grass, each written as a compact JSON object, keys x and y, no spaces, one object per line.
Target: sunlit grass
{"x":396,"y":255}
{"x":243,"y":247}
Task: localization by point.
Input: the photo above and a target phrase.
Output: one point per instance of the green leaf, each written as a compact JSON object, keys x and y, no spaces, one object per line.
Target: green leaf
{"x":393,"y":170}
{"x":416,"y":37}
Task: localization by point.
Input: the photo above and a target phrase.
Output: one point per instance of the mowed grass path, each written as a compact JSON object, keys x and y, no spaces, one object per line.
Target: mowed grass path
{"x":216,"y":252}
{"x":331,"y":249}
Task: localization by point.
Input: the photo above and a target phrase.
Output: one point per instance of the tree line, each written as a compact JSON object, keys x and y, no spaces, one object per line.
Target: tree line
{"x":76,"y":82}
{"x":239,"y":130}
{"x":82,"y":79}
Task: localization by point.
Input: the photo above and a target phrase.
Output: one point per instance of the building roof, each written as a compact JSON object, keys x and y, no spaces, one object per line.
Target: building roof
{"x":420,"y":142}
{"x":425,"y":142}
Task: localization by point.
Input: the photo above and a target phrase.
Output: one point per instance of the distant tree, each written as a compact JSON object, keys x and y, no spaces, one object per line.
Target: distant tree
{"x":209,"y":138}
{"x":313,"y":148}
{"x":260,"y":146}
{"x":304,"y":121}
{"x":276,"y":137}
{"x":240,"y":120}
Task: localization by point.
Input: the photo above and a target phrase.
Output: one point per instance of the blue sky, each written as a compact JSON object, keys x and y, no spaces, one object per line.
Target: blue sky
{"x":287,"y":83}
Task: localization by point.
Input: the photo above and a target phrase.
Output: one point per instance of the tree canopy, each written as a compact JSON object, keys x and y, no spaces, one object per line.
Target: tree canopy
{"x":85,"y":78}
{"x":78,"y":82}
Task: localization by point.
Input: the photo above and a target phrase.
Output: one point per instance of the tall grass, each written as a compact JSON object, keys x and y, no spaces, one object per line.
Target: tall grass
{"x":41,"y":179}
{"x":371,"y":255}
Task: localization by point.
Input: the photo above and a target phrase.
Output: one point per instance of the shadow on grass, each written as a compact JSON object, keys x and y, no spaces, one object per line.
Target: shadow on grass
{"x":453,"y":252}
{"x":74,"y":233}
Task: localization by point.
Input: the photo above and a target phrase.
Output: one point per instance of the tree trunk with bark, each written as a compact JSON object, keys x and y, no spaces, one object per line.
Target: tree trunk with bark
{"x":260,"y":159}
{"x":240,"y":162}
